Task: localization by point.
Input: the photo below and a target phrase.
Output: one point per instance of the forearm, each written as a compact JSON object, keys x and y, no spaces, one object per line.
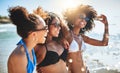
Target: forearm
{"x":106,"y":35}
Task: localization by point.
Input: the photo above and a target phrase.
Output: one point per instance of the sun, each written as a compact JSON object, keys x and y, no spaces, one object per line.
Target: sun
{"x":69,"y":4}
{"x":72,"y":3}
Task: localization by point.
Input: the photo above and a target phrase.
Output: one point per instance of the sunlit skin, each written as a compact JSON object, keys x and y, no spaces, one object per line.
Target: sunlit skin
{"x":18,"y":61}
{"x":75,"y":60}
{"x":60,"y":66}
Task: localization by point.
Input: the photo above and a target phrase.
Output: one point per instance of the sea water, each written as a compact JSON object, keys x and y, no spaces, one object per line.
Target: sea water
{"x":98,"y":59}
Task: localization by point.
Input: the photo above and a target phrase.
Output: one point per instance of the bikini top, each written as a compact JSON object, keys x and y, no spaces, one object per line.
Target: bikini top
{"x":74,"y":46}
{"x":30,"y":65}
{"x":52,"y":58}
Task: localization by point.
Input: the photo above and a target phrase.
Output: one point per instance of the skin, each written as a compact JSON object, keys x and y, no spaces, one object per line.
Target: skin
{"x":77,"y":64}
{"x":60,"y":66}
{"x":17,"y":61}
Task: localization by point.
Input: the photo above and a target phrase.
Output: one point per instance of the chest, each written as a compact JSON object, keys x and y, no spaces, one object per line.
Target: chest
{"x":55,"y":47}
{"x":78,"y":39}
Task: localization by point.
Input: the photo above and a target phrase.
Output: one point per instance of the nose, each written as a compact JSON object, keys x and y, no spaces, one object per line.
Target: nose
{"x":59,"y":28}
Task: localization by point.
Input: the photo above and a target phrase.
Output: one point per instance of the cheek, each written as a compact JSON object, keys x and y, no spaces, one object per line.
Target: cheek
{"x":41,"y":36}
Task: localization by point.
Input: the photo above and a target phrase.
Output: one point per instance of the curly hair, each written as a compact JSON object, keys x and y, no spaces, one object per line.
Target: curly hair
{"x":39,"y":11}
{"x":24,"y":21}
{"x":70,"y":14}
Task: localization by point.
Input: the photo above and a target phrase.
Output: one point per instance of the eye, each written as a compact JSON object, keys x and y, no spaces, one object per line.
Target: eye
{"x":57,"y":24}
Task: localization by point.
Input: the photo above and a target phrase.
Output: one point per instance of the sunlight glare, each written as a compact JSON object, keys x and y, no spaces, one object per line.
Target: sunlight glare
{"x":72,"y":3}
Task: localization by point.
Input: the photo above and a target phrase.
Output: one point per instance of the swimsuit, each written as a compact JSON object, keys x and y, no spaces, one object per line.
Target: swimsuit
{"x":30,"y":65}
{"x":74,"y":47}
{"x":52,"y":58}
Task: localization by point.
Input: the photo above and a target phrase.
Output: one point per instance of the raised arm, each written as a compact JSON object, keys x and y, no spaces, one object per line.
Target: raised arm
{"x":104,"y":41}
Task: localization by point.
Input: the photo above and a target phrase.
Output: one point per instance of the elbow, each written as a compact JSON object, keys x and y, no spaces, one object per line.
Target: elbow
{"x":105,"y":43}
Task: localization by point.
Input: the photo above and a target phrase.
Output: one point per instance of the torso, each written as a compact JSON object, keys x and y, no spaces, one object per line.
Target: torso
{"x":53,"y":58}
{"x":77,"y":61}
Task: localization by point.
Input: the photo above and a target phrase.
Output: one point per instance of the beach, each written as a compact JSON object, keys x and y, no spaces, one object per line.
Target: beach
{"x":98,"y":59}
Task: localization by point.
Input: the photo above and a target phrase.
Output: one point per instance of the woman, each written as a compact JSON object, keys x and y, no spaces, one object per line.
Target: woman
{"x":51,"y":56}
{"x":33,"y":30}
{"x":79,"y":21}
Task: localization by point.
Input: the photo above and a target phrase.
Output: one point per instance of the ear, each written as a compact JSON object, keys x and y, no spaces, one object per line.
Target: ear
{"x":34,"y":34}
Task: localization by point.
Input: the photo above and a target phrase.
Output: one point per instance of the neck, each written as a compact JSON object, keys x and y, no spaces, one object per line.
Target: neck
{"x":76,"y":31}
{"x":49,"y":38}
{"x":29,"y":44}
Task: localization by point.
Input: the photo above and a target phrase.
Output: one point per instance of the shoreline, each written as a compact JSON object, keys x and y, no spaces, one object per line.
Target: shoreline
{"x":103,"y":70}
{"x":5,"y":21}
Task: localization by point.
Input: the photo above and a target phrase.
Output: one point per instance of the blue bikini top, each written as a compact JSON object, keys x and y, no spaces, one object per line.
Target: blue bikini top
{"x":30,"y":65}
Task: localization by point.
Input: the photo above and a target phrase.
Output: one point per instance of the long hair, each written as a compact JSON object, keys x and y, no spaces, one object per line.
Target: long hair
{"x":69,"y":16}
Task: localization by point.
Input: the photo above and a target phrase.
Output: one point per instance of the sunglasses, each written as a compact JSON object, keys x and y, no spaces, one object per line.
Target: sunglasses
{"x":57,"y":24}
{"x":44,"y":28}
{"x":85,"y":18}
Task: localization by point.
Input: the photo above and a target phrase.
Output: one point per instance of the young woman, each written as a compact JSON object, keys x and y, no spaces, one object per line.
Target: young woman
{"x":51,"y":56}
{"x":79,"y":21}
{"x":33,"y":30}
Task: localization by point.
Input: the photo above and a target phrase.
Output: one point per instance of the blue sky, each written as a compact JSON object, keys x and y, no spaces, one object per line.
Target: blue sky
{"x":108,"y":7}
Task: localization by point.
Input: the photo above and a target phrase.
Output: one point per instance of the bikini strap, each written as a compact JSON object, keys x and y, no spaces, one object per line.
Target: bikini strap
{"x":21,"y":42}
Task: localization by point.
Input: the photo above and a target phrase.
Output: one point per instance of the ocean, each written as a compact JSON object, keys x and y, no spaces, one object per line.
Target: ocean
{"x":98,"y":59}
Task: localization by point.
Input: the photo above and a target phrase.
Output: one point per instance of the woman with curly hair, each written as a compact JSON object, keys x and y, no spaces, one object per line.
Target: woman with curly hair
{"x":33,"y":30}
{"x":51,"y":56}
{"x":79,"y":21}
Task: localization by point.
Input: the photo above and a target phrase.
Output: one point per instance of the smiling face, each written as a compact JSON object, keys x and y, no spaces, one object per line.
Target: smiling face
{"x":80,"y":21}
{"x":54,"y":27}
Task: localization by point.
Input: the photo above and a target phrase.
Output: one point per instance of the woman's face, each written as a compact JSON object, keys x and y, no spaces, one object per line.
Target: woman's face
{"x":80,"y":21}
{"x":54,"y":28}
{"x":42,"y":32}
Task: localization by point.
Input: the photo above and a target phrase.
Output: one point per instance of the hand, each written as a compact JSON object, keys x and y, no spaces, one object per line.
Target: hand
{"x":103,"y":19}
{"x":65,"y":43}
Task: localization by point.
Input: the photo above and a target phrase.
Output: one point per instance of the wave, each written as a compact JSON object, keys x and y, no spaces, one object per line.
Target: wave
{"x":7,"y":28}
{"x":6,"y":25}
{"x":3,"y":30}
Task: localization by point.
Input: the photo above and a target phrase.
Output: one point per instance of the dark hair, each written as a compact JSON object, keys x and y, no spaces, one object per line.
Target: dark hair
{"x":48,"y":18}
{"x":24,"y":21}
{"x":70,"y":14}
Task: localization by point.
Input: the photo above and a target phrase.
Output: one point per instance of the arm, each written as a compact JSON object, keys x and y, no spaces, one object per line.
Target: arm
{"x":104,"y":41}
{"x":66,"y":35}
{"x":40,"y":52}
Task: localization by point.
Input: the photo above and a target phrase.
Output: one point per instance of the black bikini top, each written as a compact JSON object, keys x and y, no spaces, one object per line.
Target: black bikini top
{"x":52,"y":58}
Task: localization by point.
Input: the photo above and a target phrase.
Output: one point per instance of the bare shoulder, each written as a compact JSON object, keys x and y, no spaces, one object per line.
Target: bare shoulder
{"x":40,"y":48}
{"x":40,"y":51}
{"x":17,"y":59}
{"x":17,"y":55}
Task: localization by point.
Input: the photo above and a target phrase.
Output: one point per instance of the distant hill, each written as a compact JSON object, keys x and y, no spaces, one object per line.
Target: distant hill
{"x":4,"y":19}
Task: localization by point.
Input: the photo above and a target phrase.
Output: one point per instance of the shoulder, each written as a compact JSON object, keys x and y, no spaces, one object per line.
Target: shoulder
{"x":40,"y":51}
{"x":16,"y":59}
{"x":40,"y":48}
{"x":18,"y":54}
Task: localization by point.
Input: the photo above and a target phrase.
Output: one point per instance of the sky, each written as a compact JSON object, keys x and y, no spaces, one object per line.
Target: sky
{"x":108,"y":7}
